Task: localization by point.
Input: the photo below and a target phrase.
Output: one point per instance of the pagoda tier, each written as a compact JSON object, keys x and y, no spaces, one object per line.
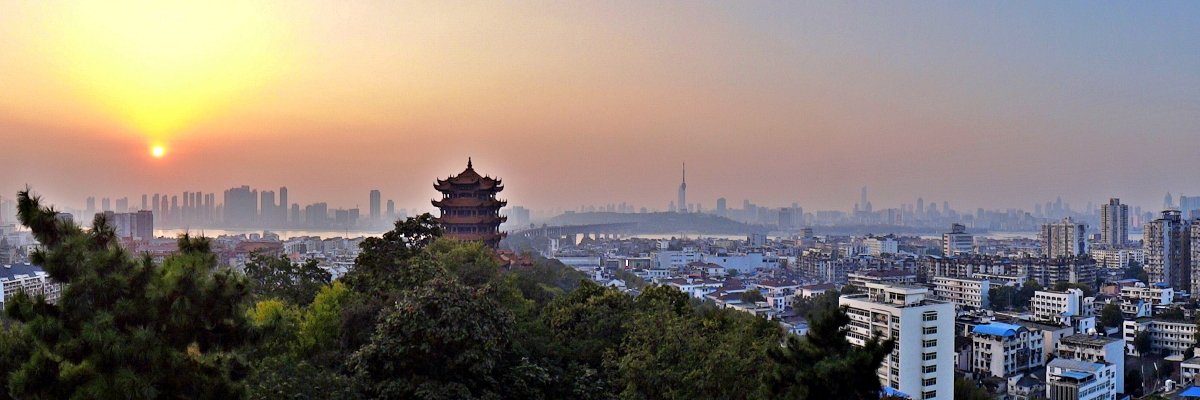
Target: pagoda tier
{"x":469,"y":208}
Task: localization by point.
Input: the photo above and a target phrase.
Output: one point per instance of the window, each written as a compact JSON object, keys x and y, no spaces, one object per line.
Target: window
{"x":929,"y":395}
{"x":929,"y":382}
{"x":931,"y":343}
{"x":929,"y":330}
{"x":929,"y":356}
{"x":929,"y":316}
{"x":929,"y":369}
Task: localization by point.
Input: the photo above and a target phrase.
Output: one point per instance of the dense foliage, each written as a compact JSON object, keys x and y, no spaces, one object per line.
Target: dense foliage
{"x":418,"y":317}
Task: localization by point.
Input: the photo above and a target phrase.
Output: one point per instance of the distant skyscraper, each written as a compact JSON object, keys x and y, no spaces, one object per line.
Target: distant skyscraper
{"x":391,"y":211}
{"x":1114,"y":223}
{"x":863,"y":204}
{"x":145,"y":204}
{"x":376,"y":198}
{"x":1066,"y":238}
{"x":283,"y":205}
{"x":240,"y":206}
{"x":1167,"y":245}
{"x":682,"y":204}
{"x":1189,"y":206}
{"x":91,"y":207}
{"x":267,"y":207}
{"x":1168,"y":202}
{"x":721,"y":206}
{"x":105,"y":204}
{"x":920,"y":207}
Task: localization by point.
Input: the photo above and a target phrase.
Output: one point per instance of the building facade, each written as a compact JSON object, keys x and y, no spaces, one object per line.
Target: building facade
{"x":922,"y":363}
{"x":957,"y":241}
{"x":964,"y":292}
{"x":1167,"y":245}
{"x":1080,"y":380}
{"x":1001,"y":350}
{"x":1114,"y":223}
{"x":1065,"y":238}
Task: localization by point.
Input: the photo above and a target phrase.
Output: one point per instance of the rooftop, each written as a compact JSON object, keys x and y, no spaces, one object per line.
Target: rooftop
{"x":13,"y":270}
{"x":997,"y":329}
{"x":1089,"y":340}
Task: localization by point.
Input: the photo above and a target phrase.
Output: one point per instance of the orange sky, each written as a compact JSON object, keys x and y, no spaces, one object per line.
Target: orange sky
{"x":590,"y":104}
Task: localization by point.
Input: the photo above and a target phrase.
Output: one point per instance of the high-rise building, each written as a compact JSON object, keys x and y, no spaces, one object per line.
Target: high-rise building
{"x":1114,"y":223}
{"x":376,"y":199}
{"x":721,"y":206}
{"x":922,"y":362}
{"x":1166,"y":246}
{"x":469,"y":207}
{"x":266,"y":207}
{"x":282,"y":218}
{"x":682,"y":204}
{"x":1189,"y":206}
{"x":391,"y":210}
{"x":1065,"y":238}
{"x":241,"y":207}
{"x":145,"y":204}
{"x":105,"y":204}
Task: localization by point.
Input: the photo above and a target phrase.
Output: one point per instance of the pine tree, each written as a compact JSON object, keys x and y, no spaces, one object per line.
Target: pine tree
{"x":125,"y":327}
{"x":824,"y":364}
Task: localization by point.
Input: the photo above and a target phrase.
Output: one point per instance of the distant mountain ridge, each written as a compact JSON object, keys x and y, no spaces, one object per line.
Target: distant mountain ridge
{"x":661,"y":222}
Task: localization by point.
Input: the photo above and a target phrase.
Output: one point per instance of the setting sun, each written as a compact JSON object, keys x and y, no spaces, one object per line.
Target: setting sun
{"x":158,"y":151}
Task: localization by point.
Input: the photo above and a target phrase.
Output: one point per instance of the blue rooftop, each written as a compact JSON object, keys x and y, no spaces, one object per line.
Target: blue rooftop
{"x":889,"y":391}
{"x":1076,"y":374}
{"x":996,"y":329}
{"x":11,"y":271}
{"x":1193,"y":391}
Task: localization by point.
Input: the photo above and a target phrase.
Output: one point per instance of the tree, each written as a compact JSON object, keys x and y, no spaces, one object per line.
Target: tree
{"x":1088,"y":291}
{"x":1136,"y":271}
{"x":443,"y":340}
{"x":696,"y":353}
{"x":1001,"y":297}
{"x":1133,"y":382}
{"x":126,"y":328}
{"x":588,"y":322}
{"x":279,"y":277}
{"x":1142,"y":342}
{"x":966,"y":389}
{"x":387,"y":262}
{"x":752,"y":296}
{"x":1111,"y":316}
{"x":823,"y":364}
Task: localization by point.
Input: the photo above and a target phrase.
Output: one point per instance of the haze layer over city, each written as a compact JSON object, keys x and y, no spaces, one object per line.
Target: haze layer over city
{"x":983,"y":105}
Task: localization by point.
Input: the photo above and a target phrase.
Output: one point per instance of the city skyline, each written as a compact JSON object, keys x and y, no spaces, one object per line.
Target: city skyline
{"x":779,"y":103}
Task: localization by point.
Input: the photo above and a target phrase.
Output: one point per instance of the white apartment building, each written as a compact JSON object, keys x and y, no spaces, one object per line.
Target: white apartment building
{"x":1066,"y":308}
{"x":1116,"y":258}
{"x":676,"y":259}
{"x":744,"y":263}
{"x":29,"y":279}
{"x":957,"y":241}
{"x":922,"y":363}
{"x":889,"y":277}
{"x":1170,"y":338}
{"x":963,"y":292}
{"x":1096,"y":349}
{"x":877,"y":245}
{"x":1080,"y":380}
{"x":1158,"y":294}
{"x":1001,"y":350}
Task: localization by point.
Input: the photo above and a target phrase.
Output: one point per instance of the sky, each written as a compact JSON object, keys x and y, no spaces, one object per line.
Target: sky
{"x":983,"y":104}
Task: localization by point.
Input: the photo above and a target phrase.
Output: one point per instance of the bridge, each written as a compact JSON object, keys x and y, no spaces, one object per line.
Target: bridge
{"x":595,"y":231}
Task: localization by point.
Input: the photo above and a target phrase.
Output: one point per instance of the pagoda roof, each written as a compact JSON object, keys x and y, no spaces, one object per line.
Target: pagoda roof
{"x":472,"y":219}
{"x":468,"y":202}
{"x":469,"y":178}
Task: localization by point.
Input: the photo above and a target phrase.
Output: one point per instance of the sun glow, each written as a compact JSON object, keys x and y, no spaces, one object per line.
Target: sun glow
{"x":161,"y":67}
{"x":158,"y":151}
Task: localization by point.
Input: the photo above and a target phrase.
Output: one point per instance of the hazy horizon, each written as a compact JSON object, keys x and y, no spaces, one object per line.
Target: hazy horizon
{"x":993,"y":105}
